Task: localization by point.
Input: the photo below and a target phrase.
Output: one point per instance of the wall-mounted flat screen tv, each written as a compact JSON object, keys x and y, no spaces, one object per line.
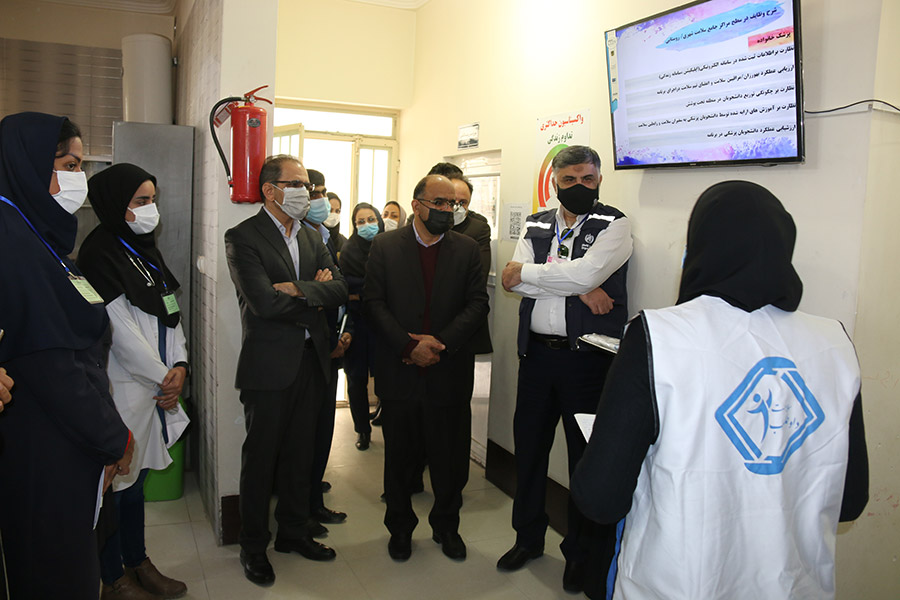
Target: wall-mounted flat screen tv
{"x":714,"y":82}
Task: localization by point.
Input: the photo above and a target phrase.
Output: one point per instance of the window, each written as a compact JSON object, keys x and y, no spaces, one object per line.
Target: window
{"x":80,"y":82}
{"x":354,"y":148}
{"x":483,"y":171}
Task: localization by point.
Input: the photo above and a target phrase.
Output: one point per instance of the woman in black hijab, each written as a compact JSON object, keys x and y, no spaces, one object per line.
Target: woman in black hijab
{"x":147,"y":363}
{"x":61,"y":428}
{"x":359,"y":360}
{"x":740,"y":242}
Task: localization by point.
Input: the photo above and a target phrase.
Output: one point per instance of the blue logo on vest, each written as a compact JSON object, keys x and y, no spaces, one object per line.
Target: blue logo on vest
{"x":769,"y":415}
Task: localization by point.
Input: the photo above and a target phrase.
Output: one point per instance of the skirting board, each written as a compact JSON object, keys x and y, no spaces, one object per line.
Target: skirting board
{"x":231,"y":519}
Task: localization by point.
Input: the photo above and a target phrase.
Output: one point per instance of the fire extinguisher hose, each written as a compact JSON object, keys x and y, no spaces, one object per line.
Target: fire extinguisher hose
{"x":212,"y":131}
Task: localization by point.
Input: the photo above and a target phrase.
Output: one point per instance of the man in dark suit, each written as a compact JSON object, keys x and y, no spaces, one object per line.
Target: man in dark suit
{"x":320,"y":209}
{"x":285,"y":279}
{"x":425,"y":297}
{"x":470,"y":223}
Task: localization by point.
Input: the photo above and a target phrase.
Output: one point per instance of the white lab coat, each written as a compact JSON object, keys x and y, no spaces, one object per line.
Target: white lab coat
{"x":135,"y":372}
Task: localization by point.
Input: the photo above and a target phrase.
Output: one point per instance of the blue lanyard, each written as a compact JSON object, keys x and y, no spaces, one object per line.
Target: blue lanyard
{"x":161,"y":327}
{"x":152,"y":266}
{"x":560,"y":240}
{"x":40,"y":237}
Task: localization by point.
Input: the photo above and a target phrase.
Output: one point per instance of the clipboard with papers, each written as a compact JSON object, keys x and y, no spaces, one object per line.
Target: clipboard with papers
{"x":610,"y":344}
{"x":604,"y":342}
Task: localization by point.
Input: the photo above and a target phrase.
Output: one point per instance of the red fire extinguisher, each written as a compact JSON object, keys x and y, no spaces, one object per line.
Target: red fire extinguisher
{"x":248,"y":143}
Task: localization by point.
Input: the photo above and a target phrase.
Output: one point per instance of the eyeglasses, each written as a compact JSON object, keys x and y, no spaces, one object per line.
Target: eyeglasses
{"x":440,"y":203}
{"x":362,"y":222}
{"x":295,"y":183}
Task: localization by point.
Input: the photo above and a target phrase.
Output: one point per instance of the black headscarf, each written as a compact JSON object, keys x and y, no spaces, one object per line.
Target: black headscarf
{"x":39,"y":307}
{"x":105,"y":260}
{"x":739,"y":245}
{"x":356,"y":251}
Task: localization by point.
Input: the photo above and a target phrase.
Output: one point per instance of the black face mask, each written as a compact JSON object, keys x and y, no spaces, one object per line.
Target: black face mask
{"x":438,"y":221}
{"x":578,"y":199}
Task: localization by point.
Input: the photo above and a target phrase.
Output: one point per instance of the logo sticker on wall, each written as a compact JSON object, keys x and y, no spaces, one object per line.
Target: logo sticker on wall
{"x":769,"y":415}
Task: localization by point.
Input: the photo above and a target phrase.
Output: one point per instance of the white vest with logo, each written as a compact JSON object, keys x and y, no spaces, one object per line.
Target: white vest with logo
{"x":740,"y":495}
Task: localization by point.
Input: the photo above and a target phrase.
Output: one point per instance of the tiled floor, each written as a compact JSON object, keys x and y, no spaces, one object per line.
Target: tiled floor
{"x":180,"y":541}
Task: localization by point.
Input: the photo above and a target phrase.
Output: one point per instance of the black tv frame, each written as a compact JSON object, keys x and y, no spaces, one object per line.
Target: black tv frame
{"x":798,"y":86}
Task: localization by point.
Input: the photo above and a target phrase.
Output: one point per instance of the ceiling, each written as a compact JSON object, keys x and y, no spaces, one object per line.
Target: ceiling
{"x":167,"y":7}
{"x":408,"y":4}
{"x":153,"y":7}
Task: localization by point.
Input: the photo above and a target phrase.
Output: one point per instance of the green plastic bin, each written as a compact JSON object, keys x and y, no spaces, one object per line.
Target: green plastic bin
{"x":167,"y":484}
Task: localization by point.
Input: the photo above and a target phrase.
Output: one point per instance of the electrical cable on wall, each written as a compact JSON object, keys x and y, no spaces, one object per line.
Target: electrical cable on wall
{"x":819,"y":112}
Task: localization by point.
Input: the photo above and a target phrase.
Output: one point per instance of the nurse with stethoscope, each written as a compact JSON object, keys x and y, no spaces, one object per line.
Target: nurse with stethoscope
{"x":147,"y":362}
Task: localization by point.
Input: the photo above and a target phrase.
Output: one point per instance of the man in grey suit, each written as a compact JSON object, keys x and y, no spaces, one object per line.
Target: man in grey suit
{"x":425,"y":298}
{"x":285,"y":279}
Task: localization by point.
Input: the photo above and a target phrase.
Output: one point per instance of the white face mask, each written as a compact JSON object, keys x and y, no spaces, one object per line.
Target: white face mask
{"x":390,"y":224}
{"x":459,"y":214}
{"x":72,"y":190}
{"x":146,"y":218}
{"x":295,"y":203}
{"x":332,"y":220}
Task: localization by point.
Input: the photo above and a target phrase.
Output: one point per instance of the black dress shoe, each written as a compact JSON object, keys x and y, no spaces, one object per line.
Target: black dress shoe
{"x":326,"y":515}
{"x":573,"y":577}
{"x":400,"y":546}
{"x":451,"y":544}
{"x":257,"y":568}
{"x":306,"y":547}
{"x":516,"y":558}
{"x":362,"y":441}
{"x":316,"y":529}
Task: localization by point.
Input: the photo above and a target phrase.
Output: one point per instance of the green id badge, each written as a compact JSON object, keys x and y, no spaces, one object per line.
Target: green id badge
{"x":86,"y":290}
{"x":171,"y":304}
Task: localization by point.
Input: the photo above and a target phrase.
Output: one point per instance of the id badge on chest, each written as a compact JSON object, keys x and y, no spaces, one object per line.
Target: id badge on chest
{"x":170,"y":303}
{"x":86,"y":290}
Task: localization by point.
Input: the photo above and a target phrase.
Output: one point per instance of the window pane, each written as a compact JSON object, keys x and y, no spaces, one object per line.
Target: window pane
{"x":380,"y":178}
{"x":374,"y":176}
{"x":486,"y":198}
{"x":366,"y":167}
{"x":334,"y":159}
{"x":335,"y":122}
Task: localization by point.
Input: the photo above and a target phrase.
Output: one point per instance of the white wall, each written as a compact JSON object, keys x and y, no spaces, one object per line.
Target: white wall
{"x":341,"y":51}
{"x":513,"y":61}
{"x":245,"y":66}
{"x":198,"y":48}
{"x":868,"y":548}
{"x":216,"y":61}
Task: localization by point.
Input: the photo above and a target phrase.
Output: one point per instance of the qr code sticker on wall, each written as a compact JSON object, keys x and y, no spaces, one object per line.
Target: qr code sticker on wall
{"x":515,"y":223}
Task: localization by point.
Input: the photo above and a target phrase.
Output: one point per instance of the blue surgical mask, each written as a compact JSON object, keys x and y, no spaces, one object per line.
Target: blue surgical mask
{"x":319,"y":209}
{"x":367,"y":231}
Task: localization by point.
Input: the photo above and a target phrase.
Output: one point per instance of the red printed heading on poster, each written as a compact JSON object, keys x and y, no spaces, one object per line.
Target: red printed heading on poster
{"x":778,"y":37}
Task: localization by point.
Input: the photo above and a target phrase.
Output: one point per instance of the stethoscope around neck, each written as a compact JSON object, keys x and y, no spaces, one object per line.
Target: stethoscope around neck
{"x":144,"y":271}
